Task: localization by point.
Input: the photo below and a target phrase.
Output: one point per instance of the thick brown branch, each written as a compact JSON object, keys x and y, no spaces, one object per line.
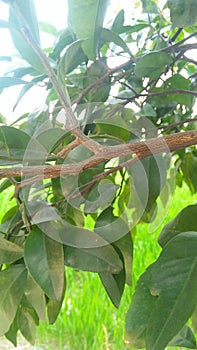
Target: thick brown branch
{"x":141,"y":149}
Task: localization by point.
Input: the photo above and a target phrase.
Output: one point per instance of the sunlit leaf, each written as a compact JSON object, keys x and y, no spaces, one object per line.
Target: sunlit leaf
{"x":91,"y":14}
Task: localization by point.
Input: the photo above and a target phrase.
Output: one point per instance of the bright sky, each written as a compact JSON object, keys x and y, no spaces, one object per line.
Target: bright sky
{"x":56,"y":15}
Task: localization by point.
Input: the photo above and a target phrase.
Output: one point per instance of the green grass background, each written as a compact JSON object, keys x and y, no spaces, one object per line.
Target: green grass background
{"x":88,"y":320}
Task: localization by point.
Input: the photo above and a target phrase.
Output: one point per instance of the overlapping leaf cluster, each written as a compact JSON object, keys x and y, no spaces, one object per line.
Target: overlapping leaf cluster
{"x":125,"y":82}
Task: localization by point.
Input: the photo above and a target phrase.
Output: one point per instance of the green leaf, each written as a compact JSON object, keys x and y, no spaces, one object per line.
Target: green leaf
{"x":35,"y":297}
{"x":148,"y":179}
{"x":183,"y":13}
{"x":9,"y":81}
{"x":114,"y":284}
{"x":62,"y":39}
{"x":100,"y":92}
{"x":50,"y":222}
{"x":96,"y":259}
{"x":177,"y":81}
{"x":101,"y":196}
{"x":45,"y":262}
{"x":16,"y":147}
{"x":183,"y":222}
{"x":23,"y":15}
{"x":54,"y":307}
{"x":71,"y":59}
{"x":118,"y":21}
{"x":125,"y":245}
{"x":149,"y":6}
{"x":111,"y":36}
{"x":11,"y":334}
{"x":189,"y":169}
{"x":165,"y":296}
{"x":194,"y":320}
{"x":174,"y":282}
{"x":9,"y":252}
{"x":27,"y":325}
{"x":47,"y":28}
{"x":185,"y":338}
{"x":109,"y":226}
{"x":51,"y":137}
{"x":115,"y":127}
{"x":139,"y":312}
{"x":91,"y":14}
{"x":12,"y":282}
{"x":152,"y":65}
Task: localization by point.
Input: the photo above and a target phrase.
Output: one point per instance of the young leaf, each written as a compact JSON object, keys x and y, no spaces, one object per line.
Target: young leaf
{"x":45,"y":262}
{"x":9,"y":252}
{"x":91,"y":14}
{"x":12,"y":282}
{"x":152,"y":65}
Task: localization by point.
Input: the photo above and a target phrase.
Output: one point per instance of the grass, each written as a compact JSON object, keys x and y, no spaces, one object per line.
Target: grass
{"x":88,"y":320}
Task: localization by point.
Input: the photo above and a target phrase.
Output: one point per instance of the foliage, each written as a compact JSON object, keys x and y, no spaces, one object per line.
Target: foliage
{"x":92,"y":165}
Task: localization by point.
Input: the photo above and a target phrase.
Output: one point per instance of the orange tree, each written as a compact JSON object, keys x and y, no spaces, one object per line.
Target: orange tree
{"x":116,"y":136}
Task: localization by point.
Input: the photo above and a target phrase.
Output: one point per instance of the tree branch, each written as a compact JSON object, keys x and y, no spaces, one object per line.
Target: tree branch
{"x":141,"y":149}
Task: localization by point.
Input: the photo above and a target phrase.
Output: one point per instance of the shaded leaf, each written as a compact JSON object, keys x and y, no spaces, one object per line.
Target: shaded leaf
{"x":101,"y":196}
{"x":12,"y":282}
{"x":152,"y":65}
{"x":9,"y":252}
{"x":139,"y":312}
{"x":185,"y":338}
{"x":72,"y":57}
{"x":183,"y":13}
{"x":11,"y":334}
{"x":27,"y":325}
{"x":112,"y":37}
{"x":35,"y":297}
{"x":95,"y":259}
{"x":100,"y":92}
{"x":45,"y":262}
{"x":110,"y":227}
{"x":183,"y":222}
{"x":54,"y":306}
{"x":16,"y":147}
{"x":175,"y":285}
